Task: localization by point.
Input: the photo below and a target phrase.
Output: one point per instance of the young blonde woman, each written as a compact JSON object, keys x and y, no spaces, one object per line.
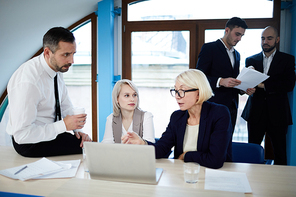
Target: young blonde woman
{"x":127,"y":116}
{"x":200,"y":131}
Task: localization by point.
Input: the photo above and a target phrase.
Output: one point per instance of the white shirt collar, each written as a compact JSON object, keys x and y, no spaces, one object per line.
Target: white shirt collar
{"x":231,"y":50}
{"x":46,"y":67}
{"x":271,"y":56}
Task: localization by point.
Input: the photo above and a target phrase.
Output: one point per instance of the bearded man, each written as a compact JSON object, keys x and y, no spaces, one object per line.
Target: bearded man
{"x":268,"y":110}
{"x":40,"y":110}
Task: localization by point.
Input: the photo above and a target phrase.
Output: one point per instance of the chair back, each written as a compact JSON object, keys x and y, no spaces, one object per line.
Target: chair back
{"x":3,"y":106}
{"x":5,"y":138}
{"x":247,"y":153}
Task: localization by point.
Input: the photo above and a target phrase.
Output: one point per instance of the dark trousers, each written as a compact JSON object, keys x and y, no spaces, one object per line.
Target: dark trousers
{"x":233,"y":114}
{"x":277,"y":134}
{"x":64,"y":144}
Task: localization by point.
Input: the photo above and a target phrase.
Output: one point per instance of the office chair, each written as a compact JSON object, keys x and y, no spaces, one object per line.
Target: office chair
{"x":247,"y":153}
{"x":5,"y":138}
{"x":3,"y":106}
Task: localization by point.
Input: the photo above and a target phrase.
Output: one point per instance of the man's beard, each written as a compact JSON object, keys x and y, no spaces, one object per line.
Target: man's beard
{"x":56,"y":66}
{"x":61,"y":68}
{"x":268,"y":49}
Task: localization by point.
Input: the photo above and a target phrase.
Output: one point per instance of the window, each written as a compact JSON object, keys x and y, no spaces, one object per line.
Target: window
{"x":157,"y":58}
{"x":152,"y":10}
{"x":87,"y":44}
{"x":204,"y":22}
{"x":78,"y":77}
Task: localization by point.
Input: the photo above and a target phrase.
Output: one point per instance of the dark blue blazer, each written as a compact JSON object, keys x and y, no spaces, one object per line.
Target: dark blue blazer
{"x":281,"y":81}
{"x":214,"y":62}
{"x":214,"y":137}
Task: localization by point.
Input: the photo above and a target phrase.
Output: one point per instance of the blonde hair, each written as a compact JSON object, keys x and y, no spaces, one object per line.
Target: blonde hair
{"x":116,"y":91}
{"x":196,"y":79}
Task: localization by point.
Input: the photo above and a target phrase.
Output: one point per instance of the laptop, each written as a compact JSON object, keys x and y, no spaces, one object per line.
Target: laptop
{"x":122,"y":162}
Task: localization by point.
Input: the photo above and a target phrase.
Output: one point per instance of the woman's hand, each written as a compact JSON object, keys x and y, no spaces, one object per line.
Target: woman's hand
{"x":132,"y":138}
{"x":181,"y":157}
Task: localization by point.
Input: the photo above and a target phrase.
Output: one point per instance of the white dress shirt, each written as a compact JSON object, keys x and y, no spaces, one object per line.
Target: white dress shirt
{"x":148,"y":129}
{"x":267,"y":61}
{"x":231,"y":57}
{"x":190,"y":138}
{"x":32,"y":102}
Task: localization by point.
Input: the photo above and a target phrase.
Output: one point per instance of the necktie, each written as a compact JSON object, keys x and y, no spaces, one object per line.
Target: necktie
{"x":57,"y":105}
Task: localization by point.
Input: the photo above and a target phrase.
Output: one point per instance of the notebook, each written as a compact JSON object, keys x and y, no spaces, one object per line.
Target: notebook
{"x":122,"y":162}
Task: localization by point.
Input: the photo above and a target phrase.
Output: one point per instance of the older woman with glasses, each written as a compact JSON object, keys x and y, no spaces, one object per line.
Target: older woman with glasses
{"x":200,"y":131}
{"x":127,"y":116}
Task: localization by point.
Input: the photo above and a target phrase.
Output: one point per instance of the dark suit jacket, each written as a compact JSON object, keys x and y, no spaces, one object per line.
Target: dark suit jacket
{"x":214,"y":62}
{"x":274,"y":95}
{"x":214,"y":137}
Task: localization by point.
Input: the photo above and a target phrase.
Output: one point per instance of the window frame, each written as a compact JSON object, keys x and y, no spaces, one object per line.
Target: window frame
{"x":196,"y":27}
{"x":94,"y":95}
{"x":197,"y":34}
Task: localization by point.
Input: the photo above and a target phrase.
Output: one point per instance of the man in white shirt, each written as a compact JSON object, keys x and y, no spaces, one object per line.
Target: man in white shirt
{"x":220,"y":62}
{"x":35,"y":112}
{"x":268,"y":110}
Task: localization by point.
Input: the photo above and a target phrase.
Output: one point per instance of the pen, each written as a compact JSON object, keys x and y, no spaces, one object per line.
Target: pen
{"x":20,"y":170}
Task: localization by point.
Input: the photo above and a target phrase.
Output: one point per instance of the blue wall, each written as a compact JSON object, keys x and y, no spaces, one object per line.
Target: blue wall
{"x":291,"y":136}
{"x":105,"y":62}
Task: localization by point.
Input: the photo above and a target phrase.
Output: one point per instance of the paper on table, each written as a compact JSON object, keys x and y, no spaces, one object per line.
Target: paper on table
{"x":227,"y":181}
{"x":70,"y":168}
{"x":34,"y":170}
{"x":250,"y":78}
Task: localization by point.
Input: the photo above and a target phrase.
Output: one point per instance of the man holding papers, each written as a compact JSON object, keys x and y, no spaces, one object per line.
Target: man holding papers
{"x":268,"y":109}
{"x":220,"y":62}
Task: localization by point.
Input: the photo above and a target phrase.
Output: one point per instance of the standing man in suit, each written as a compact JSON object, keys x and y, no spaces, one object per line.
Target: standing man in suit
{"x":268,"y":110}
{"x":220,"y":62}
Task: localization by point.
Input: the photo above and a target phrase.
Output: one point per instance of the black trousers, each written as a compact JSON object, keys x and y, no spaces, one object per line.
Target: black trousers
{"x":233,"y":114}
{"x":277,"y":134}
{"x":64,"y":144}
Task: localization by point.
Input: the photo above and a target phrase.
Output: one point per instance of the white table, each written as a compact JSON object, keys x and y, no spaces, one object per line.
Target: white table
{"x":265,"y":180}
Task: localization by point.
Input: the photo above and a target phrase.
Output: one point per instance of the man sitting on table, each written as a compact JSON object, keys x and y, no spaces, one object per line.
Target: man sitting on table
{"x":37,"y":103}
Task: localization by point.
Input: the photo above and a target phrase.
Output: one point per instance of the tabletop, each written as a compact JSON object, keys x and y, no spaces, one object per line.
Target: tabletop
{"x":265,"y":180}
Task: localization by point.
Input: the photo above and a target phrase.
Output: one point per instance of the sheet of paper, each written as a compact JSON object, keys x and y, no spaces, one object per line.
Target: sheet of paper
{"x":250,"y":78}
{"x":36,"y":169}
{"x":227,"y":181}
{"x":70,"y":168}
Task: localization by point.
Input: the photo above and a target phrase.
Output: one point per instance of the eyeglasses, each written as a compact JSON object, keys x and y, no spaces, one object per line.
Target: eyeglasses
{"x":181,"y":93}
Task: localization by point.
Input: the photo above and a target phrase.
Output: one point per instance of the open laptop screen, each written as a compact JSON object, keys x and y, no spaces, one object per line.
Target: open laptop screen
{"x":122,"y":162}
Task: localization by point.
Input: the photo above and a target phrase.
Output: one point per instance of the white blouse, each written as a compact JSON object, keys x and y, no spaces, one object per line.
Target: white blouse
{"x":148,"y":129}
{"x":190,"y":138}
